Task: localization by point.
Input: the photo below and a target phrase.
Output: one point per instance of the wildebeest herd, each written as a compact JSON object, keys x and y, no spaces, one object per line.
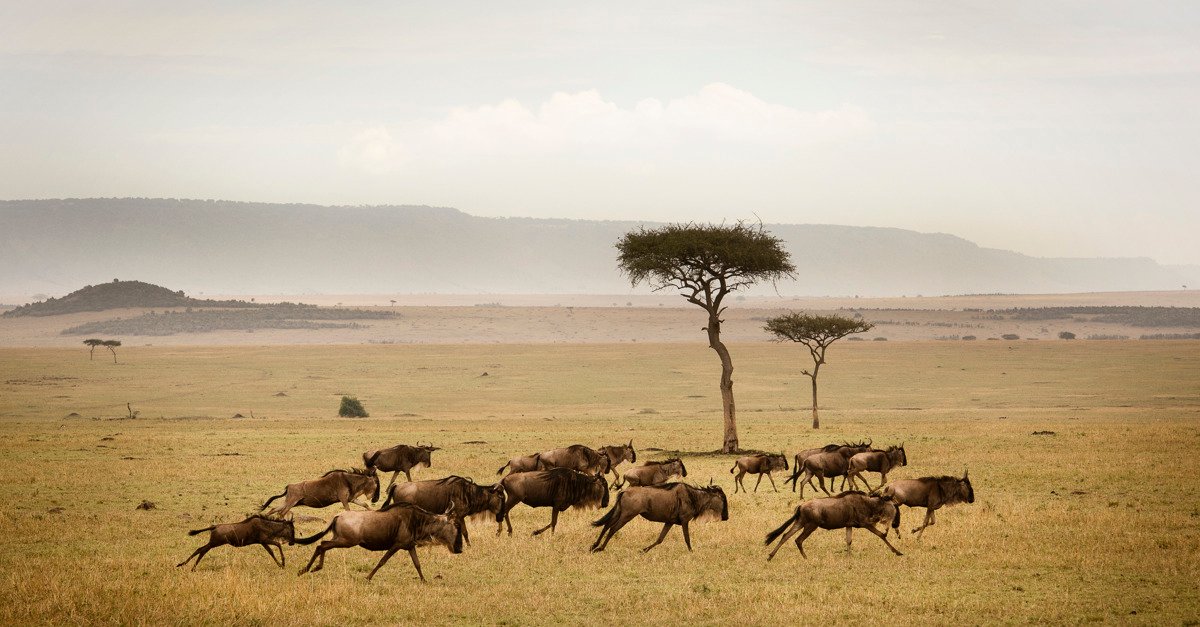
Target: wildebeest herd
{"x":435,"y":512}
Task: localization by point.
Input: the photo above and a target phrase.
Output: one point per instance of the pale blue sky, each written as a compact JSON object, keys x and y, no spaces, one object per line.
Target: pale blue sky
{"x":1051,"y":128}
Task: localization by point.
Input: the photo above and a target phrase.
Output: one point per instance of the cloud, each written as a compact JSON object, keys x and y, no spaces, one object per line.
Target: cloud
{"x":372,"y":150}
{"x":585,"y":124}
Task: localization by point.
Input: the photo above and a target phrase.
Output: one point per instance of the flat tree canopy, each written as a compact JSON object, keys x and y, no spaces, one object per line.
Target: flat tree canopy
{"x":816,"y":333}
{"x":705,"y":262}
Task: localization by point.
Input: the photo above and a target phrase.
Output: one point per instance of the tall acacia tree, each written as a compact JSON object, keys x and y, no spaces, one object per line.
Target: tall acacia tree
{"x":112,"y":345}
{"x":92,"y":343}
{"x":816,"y":333}
{"x":706,"y":262}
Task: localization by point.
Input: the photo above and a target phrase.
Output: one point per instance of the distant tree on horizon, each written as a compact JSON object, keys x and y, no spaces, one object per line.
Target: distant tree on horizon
{"x":705,"y":263}
{"x":112,"y":345}
{"x":816,"y":333}
{"x":93,"y":343}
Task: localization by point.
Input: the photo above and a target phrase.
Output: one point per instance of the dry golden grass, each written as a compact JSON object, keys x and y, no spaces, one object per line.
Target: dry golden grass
{"x":1096,"y":522}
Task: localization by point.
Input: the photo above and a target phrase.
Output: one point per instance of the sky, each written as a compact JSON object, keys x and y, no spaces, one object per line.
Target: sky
{"x":1056,"y":129}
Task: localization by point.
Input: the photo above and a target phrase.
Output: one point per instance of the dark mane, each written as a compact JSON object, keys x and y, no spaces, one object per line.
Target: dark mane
{"x":353,"y":471}
{"x":274,"y":519}
{"x":829,"y":448}
{"x":571,"y":487}
{"x":663,"y":462}
{"x":849,"y":492}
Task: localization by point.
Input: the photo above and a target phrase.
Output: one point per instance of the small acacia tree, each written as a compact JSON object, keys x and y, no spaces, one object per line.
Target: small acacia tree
{"x":705,"y":263}
{"x":93,"y":343}
{"x":816,"y":333}
{"x":352,"y":408}
{"x":112,"y":345}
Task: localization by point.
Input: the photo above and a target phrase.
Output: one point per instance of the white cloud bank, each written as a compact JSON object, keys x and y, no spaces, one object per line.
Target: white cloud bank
{"x":717,"y":117}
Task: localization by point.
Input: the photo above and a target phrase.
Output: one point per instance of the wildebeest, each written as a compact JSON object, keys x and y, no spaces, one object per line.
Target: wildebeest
{"x":575,"y":457}
{"x":398,"y":526}
{"x":466,"y":497}
{"x":618,"y":453}
{"x":670,"y":504}
{"x":524,"y":463}
{"x":847,"y":510}
{"x":401,"y":458}
{"x":655,"y":473}
{"x":875,"y":461}
{"x":846,"y":449}
{"x":557,"y":488}
{"x":256,"y":529}
{"x":335,"y":486}
{"x":761,"y":464}
{"x":930,"y":493}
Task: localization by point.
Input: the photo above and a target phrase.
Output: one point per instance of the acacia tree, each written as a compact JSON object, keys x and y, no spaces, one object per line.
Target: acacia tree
{"x":112,"y":345}
{"x":705,"y":263}
{"x":93,"y":343}
{"x":816,"y":333}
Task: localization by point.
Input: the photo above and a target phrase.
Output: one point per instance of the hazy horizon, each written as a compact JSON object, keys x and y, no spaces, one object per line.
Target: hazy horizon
{"x":1050,"y":129}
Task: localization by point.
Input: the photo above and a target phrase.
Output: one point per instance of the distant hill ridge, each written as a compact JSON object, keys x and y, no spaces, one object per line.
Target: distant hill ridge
{"x":53,"y":246}
{"x":118,"y":295}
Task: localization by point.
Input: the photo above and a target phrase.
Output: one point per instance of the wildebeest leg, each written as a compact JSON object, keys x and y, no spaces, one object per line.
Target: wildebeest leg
{"x":760,"y":475}
{"x":612,"y":530}
{"x":395,"y":473}
{"x":821,"y":479}
{"x":272,"y":554}
{"x":553,"y":522}
{"x":361,"y":502}
{"x":687,"y":537}
{"x":416,"y":562}
{"x":786,"y":536}
{"x":800,"y":541}
{"x":849,"y":537}
{"x":502,"y":517}
{"x":737,"y":480}
{"x":386,"y":556}
{"x":772,"y":481}
{"x":408,"y":473}
{"x":200,"y":551}
{"x":462,"y":523}
{"x":320,"y":552}
{"x":661,"y":536}
{"x":883,"y":537}
{"x":928,"y":521}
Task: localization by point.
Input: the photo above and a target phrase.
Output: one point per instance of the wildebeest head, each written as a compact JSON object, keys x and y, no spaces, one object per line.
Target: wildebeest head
{"x":494,"y":497}
{"x":598,"y":492}
{"x":777,"y":462}
{"x":903,"y":455}
{"x":629,"y":453}
{"x":712,"y":503}
{"x":444,"y":529}
{"x":375,"y":482}
{"x":682,"y":468}
{"x":283,"y":529}
{"x":965,"y":484}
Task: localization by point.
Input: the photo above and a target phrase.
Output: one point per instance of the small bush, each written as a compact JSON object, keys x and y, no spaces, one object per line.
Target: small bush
{"x":352,"y":408}
{"x":968,"y":338}
{"x":1066,"y":335}
{"x":879,"y":339}
{"x":1010,"y":336}
{"x":1107,"y":337}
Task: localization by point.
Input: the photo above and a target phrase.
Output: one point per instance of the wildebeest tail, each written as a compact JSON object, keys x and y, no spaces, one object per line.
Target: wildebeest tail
{"x":314,"y":538}
{"x":264,"y":505}
{"x":197,"y":531}
{"x":501,"y":471}
{"x":370,"y":462}
{"x":734,"y":468}
{"x":775,"y":534}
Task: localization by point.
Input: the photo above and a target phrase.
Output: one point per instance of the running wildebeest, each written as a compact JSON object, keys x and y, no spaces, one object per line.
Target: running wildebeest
{"x":256,"y":529}
{"x":401,"y":458}
{"x":399,"y":526}
{"x":520,"y":464}
{"x":557,"y":488}
{"x":761,"y":464}
{"x":670,"y":504}
{"x":875,"y":461}
{"x":847,"y":510}
{"x":847,"y":450}
{"x":931,"y":493}
{"x":655,"y":473}
{"x":575,"y":457}
{"x":616,"y":454}
{"x":335,"y":486}
{"x":466,"y":497}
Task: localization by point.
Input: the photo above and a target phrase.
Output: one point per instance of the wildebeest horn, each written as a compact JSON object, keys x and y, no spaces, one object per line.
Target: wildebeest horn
{"x":450,"y":509}
{"x":710,"y":482}
{"x":966,"y":471}
{"x":630,"y":442}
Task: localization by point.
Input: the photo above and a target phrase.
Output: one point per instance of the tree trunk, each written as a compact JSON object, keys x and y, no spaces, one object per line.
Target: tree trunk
{"x":816,"y":419}
{"x":730,"y":444}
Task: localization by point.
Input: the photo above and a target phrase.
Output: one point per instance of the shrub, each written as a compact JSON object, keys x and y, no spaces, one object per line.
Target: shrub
{"x":879,"y":339}
{"x":1010,"y":336}
{"x":968,"y":338}
{"x":352,"y":408}
{"x":1066,"y":335}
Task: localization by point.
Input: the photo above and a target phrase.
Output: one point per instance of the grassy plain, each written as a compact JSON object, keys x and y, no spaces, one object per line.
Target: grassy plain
{"x":1098,"y":522}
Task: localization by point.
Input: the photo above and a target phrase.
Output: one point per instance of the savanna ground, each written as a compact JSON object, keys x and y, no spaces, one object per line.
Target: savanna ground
{"x":1098,"y":522}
